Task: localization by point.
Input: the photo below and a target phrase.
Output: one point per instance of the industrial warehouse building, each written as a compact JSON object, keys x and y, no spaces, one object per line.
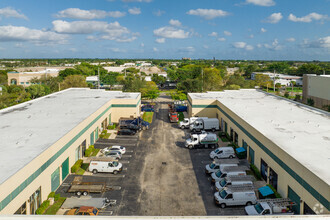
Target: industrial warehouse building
{"x":288,"y":142}
{"x":41,"y":139}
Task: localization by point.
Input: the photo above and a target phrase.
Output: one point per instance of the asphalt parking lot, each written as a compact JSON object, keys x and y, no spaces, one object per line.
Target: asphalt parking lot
{"x":160,"y":176}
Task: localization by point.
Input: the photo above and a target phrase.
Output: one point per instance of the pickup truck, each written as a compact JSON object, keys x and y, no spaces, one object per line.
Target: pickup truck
{"x":269,"y":207}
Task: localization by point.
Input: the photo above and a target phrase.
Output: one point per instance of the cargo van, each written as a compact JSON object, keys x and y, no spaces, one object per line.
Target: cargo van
{"x":96,"y":166}
{"x":235,"y":195}
{"x":223,"y":152}
{"x":234,"y":181}
{"x":229,"y":171}
{"x":213,"y":167}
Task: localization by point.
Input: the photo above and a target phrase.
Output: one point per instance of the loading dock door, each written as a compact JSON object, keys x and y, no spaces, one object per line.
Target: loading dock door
{"x":65,"y":168}
{"x":55,"y":179}
{"x":295,"y":198}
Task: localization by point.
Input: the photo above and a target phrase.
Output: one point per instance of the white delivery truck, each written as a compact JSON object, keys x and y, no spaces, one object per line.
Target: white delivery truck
{"x":113,"y":166}
{"x":205,"y":124}
{"x":188,"y":121}
{"x":229,"y":171}
{"x":235,"y":195}
{"x":216,"y":165}
{"x":223,"y":152}
{"x":234,"y":181}
{"x":202,"y":140}
{"x":280,"y":206}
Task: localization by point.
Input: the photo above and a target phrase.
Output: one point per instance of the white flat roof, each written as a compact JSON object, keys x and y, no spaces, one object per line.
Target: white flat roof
{"x":301,"y":131}
{"x":28,"y":129}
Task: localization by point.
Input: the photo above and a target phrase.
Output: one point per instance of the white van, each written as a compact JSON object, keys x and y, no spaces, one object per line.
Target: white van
{"x":223,"y":152}
{"x":213,"y":167}
{"x":228,"y":171}
{"x":234,"y":181}
{"x":235,"y":195}
{"x":105,"y":166}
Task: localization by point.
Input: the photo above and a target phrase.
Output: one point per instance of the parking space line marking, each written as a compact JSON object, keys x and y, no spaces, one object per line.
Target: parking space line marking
{"x":127,"y":156}
{"x":125,"y":168}
{"x":129,"y":151}
{"x":124,"y":162}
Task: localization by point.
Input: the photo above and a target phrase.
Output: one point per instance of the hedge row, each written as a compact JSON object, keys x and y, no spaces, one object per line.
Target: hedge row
{"x":43,"y":207}
{"x":76,"y":166}
{"x":256,"y":171}
{"x":89,"y":151}
{"x":277,"y":195}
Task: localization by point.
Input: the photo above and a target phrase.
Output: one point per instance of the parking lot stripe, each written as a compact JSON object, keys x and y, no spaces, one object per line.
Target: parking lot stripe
{"x":127,"y":155}
{"x":129,"y":151}
{"x":124,"y":162}
{"x":106,"y":212}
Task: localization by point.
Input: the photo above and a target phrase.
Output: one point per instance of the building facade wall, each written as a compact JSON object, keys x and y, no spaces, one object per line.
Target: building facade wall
{"x":311,"y":189}
{"x":18,"y":188}
{"x":318,"y":89}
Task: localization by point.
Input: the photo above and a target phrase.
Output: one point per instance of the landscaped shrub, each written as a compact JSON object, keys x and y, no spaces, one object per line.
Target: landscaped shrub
{"x":310,"y":102}
{"x":75,"y":167}
{"x":56,"y":197}
{"x":104,"y":132}
{"x":89,"y":151}
{"x":298,"y":97}
{"x":112,"y":127}
{"x":255,"y":171}
{"x":286,"y":95}
{"x":51,"y":195}
{"x":43,"y":207}
{"x":277,"y":195}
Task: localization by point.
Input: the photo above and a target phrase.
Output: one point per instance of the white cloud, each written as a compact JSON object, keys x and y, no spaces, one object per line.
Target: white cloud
{"x":320,"y":43}
{"x":243,"y":45}
{"x":10,"y":12}
{"x":227,"y":33}
{"x":106,"y":31}
{"x":160,"y":40}
{"x":221,"y":39}
{"x":308,"y":18}
{"x":291,"y":39}
{"x":263,"y":30}
{"x":76,"y":13}
{"x":213,"y":34}
{"x":142,"y":44}
{"x":251,"y":36}
{"x":208,"y":13}
{"x":117,"y":50}
{"x":259,"y":45}
{"x":176,"y":23}
{"x":274,"y":46}
{"x":159,"y":13}
{"x":171,"y":32}
{"x":20,"y":33}
{"x":186,"y":50}
{"x":261,"y":2}
{"x":274,"y":18}
{"x":155,"y":49}
{"x":134,"y":11}
{"x":137,"y":1}
{"x":205,"y":46}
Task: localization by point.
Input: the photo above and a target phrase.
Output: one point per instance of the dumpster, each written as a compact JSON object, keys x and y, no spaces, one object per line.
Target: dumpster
{"x":266,"y":192}
{"x":241,"y":153}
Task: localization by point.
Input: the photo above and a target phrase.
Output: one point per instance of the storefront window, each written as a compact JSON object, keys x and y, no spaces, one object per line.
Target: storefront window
{"x":35,"y":201}
{"x":21,"y":210}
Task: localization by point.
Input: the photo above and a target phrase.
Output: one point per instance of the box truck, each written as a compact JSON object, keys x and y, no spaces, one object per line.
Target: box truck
{"x":205,"y":124}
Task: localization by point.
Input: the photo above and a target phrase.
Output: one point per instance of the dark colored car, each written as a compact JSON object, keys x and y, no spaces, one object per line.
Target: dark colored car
{"x":126,"y":132}
{"x":129,"y":126}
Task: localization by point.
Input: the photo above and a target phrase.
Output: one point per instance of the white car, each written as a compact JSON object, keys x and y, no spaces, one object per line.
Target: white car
{"x":121,"y":149}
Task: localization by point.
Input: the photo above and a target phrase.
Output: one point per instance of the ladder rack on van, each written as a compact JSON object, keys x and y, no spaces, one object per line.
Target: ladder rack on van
{"x":241,"y":188}
{"x":234,"y":169}
{"x":278,"y":201}
{"x":226,"y":161}
{"x":240,"y":178}
{"x":106,"y":159}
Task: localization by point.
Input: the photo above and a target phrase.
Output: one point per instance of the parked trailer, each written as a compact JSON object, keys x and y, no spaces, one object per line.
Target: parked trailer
{"x":84,"y":188}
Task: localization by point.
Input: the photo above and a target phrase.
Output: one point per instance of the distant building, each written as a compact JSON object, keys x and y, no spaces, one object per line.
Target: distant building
{"x":128,"y":65}
{"x":92,"y":79}
{"x":316,"y":88}
{"x":284,"y":80}
{"x":114,"y":68}
{"x":24,"y":78}
{"x":231,"y":71}
{"x":186,"y":58}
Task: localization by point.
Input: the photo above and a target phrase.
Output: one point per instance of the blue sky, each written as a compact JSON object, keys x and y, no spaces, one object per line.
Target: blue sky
{"x":225,"y":29}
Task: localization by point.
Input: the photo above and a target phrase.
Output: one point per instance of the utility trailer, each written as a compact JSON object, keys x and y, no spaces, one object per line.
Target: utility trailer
{"x":84,"y":188}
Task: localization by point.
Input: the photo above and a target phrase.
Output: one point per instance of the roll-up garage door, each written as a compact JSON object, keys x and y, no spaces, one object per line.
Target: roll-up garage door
{"x":55,"y":179}
{"x":65,"y":168}
{"x":295,"y":198}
